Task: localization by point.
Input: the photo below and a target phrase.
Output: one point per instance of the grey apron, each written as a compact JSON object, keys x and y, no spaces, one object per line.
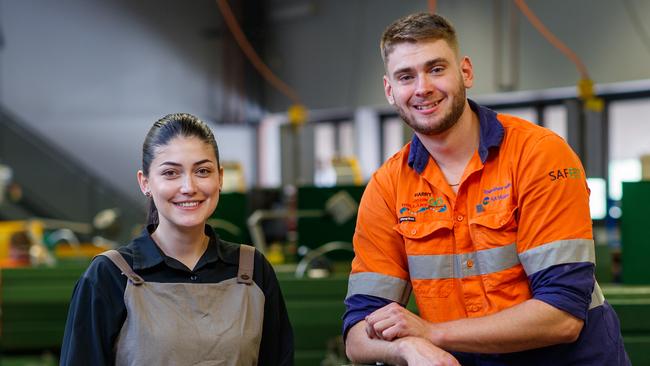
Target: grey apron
{"x":191,"y":324}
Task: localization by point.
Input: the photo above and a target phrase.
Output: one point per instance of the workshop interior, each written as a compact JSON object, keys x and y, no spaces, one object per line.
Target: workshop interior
{"x":293,"y":92}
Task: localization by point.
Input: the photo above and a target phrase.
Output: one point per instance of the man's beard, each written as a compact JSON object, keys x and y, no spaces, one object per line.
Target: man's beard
{"x":447,"y":121}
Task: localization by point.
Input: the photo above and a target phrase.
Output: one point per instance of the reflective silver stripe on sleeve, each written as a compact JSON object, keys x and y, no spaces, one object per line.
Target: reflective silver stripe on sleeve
{"x":558,"y":252}
{"x":376,"y":284}
{"x":597,"y":297}
{"x":463,"y":265}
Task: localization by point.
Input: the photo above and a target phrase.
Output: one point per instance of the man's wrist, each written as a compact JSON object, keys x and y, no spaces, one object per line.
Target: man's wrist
{"x":436,"y":334}
{"x":398,"y":350}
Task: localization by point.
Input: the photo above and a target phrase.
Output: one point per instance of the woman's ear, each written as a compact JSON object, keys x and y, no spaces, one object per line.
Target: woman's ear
{"x":220,"y":178}
{"x":143,"y":182}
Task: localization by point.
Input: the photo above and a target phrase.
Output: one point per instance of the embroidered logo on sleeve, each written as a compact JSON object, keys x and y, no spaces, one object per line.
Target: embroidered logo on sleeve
{"x":565,"y":173}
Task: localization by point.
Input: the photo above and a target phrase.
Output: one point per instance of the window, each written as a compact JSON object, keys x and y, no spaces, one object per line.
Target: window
{"x":629,"y":125}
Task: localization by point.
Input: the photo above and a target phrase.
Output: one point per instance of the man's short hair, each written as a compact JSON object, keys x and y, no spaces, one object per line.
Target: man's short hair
{"x":417,"y":27}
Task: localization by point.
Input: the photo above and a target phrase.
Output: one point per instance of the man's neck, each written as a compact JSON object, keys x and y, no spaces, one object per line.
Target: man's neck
{"x":453,"y":149}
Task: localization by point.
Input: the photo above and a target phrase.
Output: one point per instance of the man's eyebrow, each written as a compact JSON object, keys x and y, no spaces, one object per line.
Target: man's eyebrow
{"x":435,"y":61}
{"x":403,"y":70}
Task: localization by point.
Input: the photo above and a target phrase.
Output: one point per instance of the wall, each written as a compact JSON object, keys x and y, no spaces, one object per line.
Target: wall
{"x":93,"y":76}
{"x":330,"y":52}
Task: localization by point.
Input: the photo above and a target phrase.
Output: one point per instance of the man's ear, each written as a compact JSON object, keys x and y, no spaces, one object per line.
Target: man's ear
{"x":388,"y":90}
{"x":467,"y":71}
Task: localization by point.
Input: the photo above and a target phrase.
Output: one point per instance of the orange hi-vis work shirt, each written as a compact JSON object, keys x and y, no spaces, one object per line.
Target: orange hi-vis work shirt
{"x":522,"y":207}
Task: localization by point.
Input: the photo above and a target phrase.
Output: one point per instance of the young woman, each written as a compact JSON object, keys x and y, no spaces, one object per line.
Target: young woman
{"x":177,"y":294}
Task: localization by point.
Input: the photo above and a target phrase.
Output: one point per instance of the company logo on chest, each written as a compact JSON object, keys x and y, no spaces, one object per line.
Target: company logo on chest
{"x":493,"y":195}
{"x":421,"y":204}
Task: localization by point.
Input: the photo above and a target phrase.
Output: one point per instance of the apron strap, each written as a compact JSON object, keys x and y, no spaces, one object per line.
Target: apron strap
{"x":246,"y":263}
{"x":120,"y":262}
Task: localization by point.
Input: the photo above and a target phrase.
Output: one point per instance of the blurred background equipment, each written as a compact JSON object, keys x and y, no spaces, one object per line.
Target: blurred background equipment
{"x":21,"y":244}
{"x":5,"y":178}
{"x":233,"y":177}
{"x":107,"y":224}
{"x":347,"y":171}
{"x":19,"y":250}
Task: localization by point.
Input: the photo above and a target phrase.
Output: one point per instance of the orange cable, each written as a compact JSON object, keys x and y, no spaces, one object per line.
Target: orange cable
{"x":252,"y":56}
{"x":432,"y":6}
{"x":532,"y":18}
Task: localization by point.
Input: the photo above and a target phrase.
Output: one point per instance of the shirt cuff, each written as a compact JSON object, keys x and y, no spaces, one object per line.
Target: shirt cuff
{"x":567,"y":287}
{"x":357,"y":307}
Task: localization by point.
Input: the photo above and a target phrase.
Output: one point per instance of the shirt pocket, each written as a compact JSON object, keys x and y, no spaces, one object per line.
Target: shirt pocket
{"x":495,"y":229}
{"x":432,"y":275}
{"x":495,"y":239}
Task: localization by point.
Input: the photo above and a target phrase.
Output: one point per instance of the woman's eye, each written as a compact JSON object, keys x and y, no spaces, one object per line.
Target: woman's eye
{"x":203,"y":172}
{"x":169,"y":174}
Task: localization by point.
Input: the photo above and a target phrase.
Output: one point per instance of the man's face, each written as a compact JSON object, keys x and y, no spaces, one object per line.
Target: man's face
{"x":426,"y":83}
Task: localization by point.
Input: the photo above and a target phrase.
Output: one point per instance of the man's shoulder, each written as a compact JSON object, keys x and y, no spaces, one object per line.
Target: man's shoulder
{"x":525,"y":134}
{"x":522,"y":126}
{"x":396,"y":162}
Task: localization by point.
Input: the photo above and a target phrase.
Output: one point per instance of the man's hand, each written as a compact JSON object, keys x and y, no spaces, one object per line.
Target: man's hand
{"x":418,"y":351}
{"x":393,"y":321}
{"x":405,"y":351}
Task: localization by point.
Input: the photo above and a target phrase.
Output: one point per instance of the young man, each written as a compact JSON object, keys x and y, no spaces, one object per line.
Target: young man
{"x":485,"y":217}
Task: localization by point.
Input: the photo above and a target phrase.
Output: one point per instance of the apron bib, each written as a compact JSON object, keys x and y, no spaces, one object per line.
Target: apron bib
{"x":191,"y":324}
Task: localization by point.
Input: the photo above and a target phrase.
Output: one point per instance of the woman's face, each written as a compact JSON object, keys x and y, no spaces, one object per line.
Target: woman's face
{"x":184,"y":181}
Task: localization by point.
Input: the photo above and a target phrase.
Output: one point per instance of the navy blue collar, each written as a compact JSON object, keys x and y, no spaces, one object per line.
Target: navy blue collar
{"x":491,"y":135}
{"x":147,"y":254}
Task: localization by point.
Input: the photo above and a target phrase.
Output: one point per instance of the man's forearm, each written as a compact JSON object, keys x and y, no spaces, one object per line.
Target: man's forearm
{"x":408,"y":351}
{"x":361,"y":349}
{"x":531,"y":324}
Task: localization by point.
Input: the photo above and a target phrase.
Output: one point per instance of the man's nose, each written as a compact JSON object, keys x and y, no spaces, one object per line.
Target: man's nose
{"x":424,"y":85}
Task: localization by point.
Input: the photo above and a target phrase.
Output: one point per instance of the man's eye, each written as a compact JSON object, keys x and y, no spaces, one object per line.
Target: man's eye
{"x":404,"y":77}
{"x":437,"y":69}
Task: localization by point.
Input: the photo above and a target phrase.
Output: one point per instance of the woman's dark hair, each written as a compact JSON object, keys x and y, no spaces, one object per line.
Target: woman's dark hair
{"x":166,"y":129}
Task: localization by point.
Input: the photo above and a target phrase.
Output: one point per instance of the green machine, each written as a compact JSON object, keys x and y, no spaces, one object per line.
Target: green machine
{"x":316,"y":231}
{"x":229,"y":219}
{"x":635,"y":241}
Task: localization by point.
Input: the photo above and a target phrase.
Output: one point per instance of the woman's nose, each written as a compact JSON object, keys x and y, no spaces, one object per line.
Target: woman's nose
{"x":189,"y":186}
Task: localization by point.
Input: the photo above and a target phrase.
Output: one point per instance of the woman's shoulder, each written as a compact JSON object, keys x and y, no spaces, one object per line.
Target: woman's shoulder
{"x":230,"y":252}
{"x":263,"y":272}
{"x":103,"y":271}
